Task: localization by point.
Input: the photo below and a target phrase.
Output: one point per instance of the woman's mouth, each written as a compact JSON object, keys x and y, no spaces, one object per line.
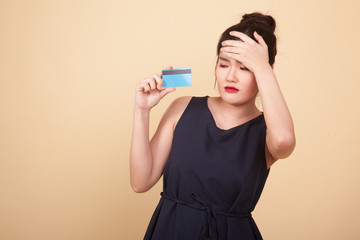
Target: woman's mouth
{"x":231,"y":89}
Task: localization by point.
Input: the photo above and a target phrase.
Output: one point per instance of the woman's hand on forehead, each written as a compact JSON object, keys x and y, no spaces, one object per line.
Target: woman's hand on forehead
{"x":246,"y":51}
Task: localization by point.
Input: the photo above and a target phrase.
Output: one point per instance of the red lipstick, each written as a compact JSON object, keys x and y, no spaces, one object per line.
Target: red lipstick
{"x":230,"y":89}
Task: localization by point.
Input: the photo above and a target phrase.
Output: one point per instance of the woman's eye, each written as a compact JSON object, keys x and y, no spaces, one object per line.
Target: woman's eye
{"x":223,"y":65}
{"x":244,"y":68}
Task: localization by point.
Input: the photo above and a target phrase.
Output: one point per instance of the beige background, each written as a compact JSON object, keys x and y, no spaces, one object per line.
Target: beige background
{"x":67,"y":75}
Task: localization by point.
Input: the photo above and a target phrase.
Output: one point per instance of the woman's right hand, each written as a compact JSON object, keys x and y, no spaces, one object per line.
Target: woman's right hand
{"x":150,"y":91}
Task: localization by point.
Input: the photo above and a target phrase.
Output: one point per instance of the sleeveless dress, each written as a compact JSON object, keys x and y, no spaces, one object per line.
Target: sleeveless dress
{"x":212,"y":179}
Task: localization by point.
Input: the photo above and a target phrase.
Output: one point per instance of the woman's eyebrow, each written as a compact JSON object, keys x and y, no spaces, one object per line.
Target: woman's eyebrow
{"x":224,"y":59}
{"x":228,"y":60}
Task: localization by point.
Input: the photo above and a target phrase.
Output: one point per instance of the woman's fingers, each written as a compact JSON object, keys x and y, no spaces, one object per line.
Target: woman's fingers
{"x":152,"y":83}
{"x":234,"y":56}
{"x":235,"y":47}
{"x":260,"y":39}
{"x":145,"y":87}
{"x":242,"y":36}
{"x":231,"y":49}
{"x":233,"y":52}
{"x":235,"y":43}
{"x":166,"y":91}
{"x":158,"y":82}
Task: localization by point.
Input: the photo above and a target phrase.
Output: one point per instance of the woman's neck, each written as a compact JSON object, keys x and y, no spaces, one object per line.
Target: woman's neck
{"x":227,"y":114}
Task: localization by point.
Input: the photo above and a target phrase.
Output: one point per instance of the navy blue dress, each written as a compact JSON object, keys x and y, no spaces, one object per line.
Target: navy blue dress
{"x":212,"y":179}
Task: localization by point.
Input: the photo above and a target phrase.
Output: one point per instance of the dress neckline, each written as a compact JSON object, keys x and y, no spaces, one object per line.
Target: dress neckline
{"x":232,"y":128}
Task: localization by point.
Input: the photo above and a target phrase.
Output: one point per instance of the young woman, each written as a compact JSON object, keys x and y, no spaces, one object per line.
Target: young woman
{"x":214,"y":153}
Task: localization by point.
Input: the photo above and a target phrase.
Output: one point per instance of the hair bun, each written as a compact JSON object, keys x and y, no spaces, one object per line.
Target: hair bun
{"x":256,"y":18}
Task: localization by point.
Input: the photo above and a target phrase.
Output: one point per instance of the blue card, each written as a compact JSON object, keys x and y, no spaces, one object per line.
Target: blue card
{"x":177,"y":77}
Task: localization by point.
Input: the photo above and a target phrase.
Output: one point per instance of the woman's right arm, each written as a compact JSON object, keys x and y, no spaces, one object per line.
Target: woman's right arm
{"x":148,"y":158}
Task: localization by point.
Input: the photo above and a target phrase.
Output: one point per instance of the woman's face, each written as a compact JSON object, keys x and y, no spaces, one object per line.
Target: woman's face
{"x":236,"y":84}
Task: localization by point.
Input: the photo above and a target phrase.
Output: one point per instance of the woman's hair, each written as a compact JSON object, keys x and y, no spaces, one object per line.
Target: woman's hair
{"x":264,"y":25}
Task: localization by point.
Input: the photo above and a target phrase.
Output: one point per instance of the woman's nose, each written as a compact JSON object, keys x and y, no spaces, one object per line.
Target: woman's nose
{"x":231,"y":76}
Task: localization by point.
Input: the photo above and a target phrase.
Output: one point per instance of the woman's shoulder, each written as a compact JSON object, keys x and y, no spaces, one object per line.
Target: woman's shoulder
{"x":181,"y":101}
{"x":178,"y":107}
{"x":180,"y":104}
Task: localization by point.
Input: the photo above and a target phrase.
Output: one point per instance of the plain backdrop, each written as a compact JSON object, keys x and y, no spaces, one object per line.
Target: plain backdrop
{"x":68,"y":70}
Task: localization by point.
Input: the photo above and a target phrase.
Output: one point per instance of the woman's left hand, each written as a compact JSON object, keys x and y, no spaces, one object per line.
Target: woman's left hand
{"x":247,"y":51}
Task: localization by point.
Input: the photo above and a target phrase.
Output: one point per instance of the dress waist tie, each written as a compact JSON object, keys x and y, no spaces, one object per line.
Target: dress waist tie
{"x":210,"y":230}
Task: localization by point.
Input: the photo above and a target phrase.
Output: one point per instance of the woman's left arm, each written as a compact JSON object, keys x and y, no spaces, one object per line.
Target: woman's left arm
{"x":280,"y":136}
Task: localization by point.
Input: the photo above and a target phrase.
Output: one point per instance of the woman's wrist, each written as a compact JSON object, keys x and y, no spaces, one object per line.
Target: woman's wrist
{"x":141,"y":110}
{"x":261,"y":69}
